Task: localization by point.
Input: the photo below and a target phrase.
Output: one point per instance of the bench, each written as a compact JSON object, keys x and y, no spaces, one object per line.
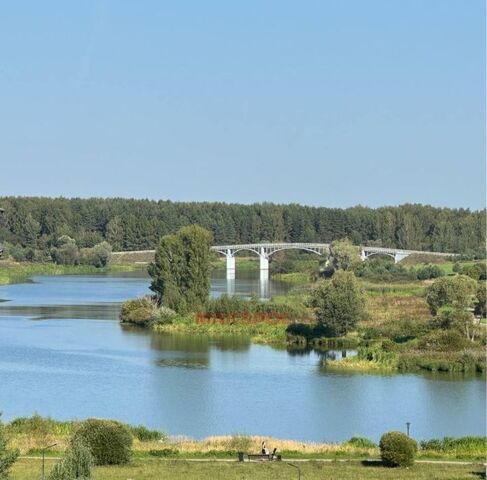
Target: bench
{"x":260,"y":457}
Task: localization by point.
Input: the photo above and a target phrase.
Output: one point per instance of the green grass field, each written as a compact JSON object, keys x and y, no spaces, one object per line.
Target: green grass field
{"x":30,"y":469}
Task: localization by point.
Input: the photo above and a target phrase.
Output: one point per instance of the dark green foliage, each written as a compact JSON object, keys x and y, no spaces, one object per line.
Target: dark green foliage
{"x":129,"y":224}
{"x":7,"y":456}
{"x":181,"y":271}
{"x":164,"y":452}
{"x":109,"y":441}
{"x":338,"y":303}
{"x":361,"y":442}
{"x":66,"y":252}
{"x":429,"y":271}
{"x":383,"y":269}
{"x":477,"y":271}
{"x":397,"y":449}
{"x":142,"y":433}
{"x":77,"y":463}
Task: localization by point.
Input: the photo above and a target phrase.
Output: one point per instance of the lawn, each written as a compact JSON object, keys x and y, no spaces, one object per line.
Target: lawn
{"x":28,"y":469}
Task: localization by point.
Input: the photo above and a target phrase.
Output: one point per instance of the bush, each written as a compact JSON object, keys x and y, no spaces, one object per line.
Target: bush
{"x":98,"y":256}
{"x":7,"y":456}
{"x":163,"y":315}
{"x":76,"y":464}
{"x":444,"y":341}
{"x":361,"y":442}
{"x":139,"y":311}
{"x":109,"y":441}
{"x":397,"y":449}
{"x":145,"y":435}
{"x":429,"y":271}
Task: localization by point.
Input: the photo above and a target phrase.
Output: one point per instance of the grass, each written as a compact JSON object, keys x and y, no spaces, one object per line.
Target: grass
{"x":293,"y":278}
{"x":141,"y":469}
{"x":267,"y":332}
{"x":13,"y":272}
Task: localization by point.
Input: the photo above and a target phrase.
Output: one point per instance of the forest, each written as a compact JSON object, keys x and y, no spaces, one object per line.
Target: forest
{"x":36,"y":223}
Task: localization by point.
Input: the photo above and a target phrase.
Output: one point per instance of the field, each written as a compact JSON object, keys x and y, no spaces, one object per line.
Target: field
{"x":28,"y":469}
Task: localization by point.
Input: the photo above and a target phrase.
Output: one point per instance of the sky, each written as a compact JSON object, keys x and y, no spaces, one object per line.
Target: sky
{"x":326,"y":102}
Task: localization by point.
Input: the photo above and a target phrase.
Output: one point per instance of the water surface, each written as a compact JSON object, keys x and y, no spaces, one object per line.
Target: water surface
{"x":63,"y":353}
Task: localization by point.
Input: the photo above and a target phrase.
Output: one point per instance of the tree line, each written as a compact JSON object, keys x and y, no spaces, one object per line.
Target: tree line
{"x":128,"y":224}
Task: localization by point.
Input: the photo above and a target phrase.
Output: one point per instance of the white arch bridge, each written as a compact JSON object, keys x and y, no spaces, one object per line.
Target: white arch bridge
{"x":265,"y":250}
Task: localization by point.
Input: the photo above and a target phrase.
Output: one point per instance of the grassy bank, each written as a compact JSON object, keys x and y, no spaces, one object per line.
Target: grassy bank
{"x":12,"y":272}
{"x":28,"y":469}
{"x":268,"y":332}
{"x":30,"y":435}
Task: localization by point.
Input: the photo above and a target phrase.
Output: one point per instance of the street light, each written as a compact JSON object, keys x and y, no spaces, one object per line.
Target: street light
{"x":408,"y":424}
{"x":299,"y":471}
{"x":43,"y":458}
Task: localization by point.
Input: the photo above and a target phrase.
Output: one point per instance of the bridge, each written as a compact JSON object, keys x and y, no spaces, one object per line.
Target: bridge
{"x":265,"y":250}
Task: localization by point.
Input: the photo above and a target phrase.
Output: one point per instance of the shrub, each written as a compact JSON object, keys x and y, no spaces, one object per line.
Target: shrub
{"x":429,"y":271}
{"x":397,"y":449}
{"x":444,"y":341}
{"x":76,"y":464}
{"x":163,"y":315}
{"x":163,"y":452}
{"x":109,"y":441}
{"x":361,"y":442}
{"x":98,"y":256}
{"x":145,"y":435}
{"x":7,"y":456}
{"x":139,"y":311}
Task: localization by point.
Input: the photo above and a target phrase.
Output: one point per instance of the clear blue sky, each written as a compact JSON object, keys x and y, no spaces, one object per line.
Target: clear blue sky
{"x":326,"y":102}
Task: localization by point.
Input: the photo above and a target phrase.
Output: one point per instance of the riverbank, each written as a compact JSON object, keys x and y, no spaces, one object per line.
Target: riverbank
{"x":30,"y":435}
{"x":13,"y":272}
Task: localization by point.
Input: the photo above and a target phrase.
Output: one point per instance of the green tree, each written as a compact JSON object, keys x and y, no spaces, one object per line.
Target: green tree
{"x":114,"y":233}
{"x":76,"y":464}
{"x":456,"y":292}
{"x":181,"y":270}
{"x":338,"y":303}
{"x":344,"y":255}
{"x":7,"y":456}
{"x":481,"y":306}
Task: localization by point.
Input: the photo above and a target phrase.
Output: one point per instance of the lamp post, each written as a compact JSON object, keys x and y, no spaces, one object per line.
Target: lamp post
{"x":299,"y":471}
{"x":408,"y":424}
{"x":43,"y":458}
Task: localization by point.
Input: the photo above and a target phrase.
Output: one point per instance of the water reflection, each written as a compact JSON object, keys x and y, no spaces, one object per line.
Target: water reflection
{"x":79,"y":362}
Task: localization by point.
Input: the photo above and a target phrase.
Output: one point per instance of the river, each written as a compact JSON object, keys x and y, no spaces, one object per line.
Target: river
{"x":64,"y":354}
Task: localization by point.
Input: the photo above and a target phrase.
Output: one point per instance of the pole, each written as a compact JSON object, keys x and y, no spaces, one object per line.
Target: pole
{"x":407,"y":427}
{"x":43,"y":458}
{"x":299,"y":471}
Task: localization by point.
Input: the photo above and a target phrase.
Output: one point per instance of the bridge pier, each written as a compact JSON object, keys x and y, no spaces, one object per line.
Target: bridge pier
{"x":400,"y":256}
{"x":264,"y":264}
{"x":230,"y":265}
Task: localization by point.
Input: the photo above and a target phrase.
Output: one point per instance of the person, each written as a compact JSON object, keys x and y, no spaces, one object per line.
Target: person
{"x":265,"y":450}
